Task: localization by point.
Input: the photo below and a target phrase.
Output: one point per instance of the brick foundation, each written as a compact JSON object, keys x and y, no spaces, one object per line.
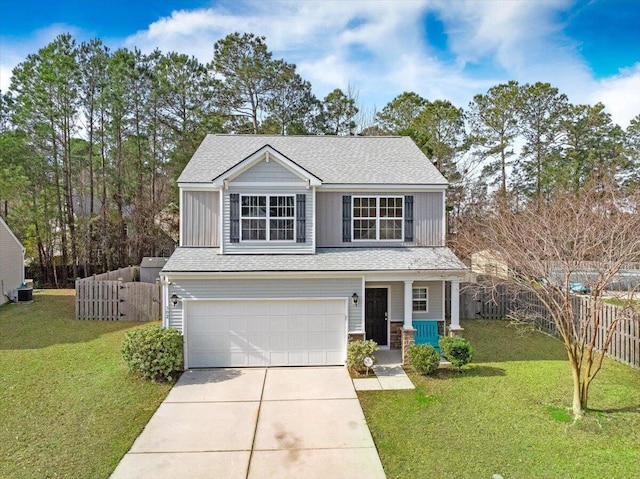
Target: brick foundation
{"x":396,"y":335}
{"x":355,"y":337}
{"x":408,"y":340}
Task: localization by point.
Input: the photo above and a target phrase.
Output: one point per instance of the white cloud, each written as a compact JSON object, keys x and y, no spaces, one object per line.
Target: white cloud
{"x":379,"y":47}
{"x":14,"y":51}
{"x":620,"y":94}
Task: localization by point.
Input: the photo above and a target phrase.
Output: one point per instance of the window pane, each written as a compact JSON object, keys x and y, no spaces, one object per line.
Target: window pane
{"x":390,"y":207}
{"x":254,"y":229}
{"x":281,"y":206}
{"x":420,"y":305}
{"x":364,"y":229}
{"x":281,"y":230}
{"x":254,"y":206}
{"x":419,"y":293}
{"x":364,"y":207}
{"x":390,"y":229}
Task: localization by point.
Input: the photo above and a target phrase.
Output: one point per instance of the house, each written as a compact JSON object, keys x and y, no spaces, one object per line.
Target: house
{"x":11,"y":263}
{"x":489,"y":262}
{"x":290,"y":246}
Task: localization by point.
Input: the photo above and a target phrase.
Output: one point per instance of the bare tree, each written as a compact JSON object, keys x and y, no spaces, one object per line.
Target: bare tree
{"x":586,"y":238}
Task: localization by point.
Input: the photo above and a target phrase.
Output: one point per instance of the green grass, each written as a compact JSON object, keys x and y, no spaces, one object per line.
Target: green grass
{"x":508,"y":414}
{"x":69,"y":407}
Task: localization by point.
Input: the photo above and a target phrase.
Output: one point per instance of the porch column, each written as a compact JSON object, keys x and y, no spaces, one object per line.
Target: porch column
{"x":455,"y":308}
{"x":408,"y":305}
{"x":408,"y":333}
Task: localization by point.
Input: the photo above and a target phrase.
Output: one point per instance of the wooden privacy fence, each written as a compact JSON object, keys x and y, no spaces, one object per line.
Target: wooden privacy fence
{"x":477,"y":302}
{"x":117,"y":300}
{"x":127,"y":275}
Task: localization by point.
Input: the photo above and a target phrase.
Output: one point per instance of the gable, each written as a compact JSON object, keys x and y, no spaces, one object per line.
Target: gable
{"x":266,"y":154}
{"x":267,"y":172}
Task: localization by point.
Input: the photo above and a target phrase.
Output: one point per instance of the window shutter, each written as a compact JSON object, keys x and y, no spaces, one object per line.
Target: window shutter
{"x":301,"y":218}
{"x":234,"y":214}
{"x":408,"y":218}
{"x":346,"y":219}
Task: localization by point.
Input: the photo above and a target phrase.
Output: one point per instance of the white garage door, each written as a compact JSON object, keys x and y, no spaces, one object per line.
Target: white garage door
{"x":265,"y":332}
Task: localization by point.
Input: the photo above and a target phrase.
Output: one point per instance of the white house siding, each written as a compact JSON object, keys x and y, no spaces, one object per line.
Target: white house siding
{"x":427,"y":219}
{"x":253,"y":247}
{"x":266,"y":288}
{"x":11,"y":262}
{"x":396,"y":299}
{"x":200,"y":218}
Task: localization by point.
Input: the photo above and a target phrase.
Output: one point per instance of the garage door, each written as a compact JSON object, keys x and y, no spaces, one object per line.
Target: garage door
{"x":265,"y":332}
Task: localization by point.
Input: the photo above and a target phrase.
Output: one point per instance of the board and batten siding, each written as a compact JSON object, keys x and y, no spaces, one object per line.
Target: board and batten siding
{"x":200,"y":218}
{"x":266,"y":289}
{"x":268,"y":247}
{"x":428,"y":219}
{"x":11,"y":262}
{"x":395,"y":304}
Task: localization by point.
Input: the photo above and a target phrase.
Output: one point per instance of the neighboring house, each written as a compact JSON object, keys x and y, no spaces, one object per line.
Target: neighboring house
{"x":489,"y":262}
{"x":11,"y":263}
{"x":292,"y":245}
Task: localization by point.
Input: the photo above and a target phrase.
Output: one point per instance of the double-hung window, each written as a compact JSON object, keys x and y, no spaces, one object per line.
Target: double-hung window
{"x":267,"y":218}
{"x":420,"y":300}
{"x":377,"y":218}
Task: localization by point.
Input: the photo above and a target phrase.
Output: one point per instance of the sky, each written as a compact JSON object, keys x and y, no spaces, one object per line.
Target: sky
{"x":440,"y":49}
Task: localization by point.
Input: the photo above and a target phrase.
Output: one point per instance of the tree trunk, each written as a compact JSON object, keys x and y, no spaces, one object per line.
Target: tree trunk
{"x":579,"y":405}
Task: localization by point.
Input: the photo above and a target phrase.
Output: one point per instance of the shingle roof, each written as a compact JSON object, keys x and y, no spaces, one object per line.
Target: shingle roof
{"x":325,"y":259}
{"x":334,"y":159}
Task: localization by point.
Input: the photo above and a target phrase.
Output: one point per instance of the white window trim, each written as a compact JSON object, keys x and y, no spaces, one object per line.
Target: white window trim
{"x":267,"y":218}
{"x":377,"y":218}
{"x":426,"y":300}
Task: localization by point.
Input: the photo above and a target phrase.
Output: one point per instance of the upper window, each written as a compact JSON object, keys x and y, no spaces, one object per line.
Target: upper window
{"x":421,"y":299}
{"x":377,"y":217}
{"x":267,"y":218}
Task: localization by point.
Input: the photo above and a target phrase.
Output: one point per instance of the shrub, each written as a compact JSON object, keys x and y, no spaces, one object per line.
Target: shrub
{"x":153,"y":352}
{"x":357,"y":351}
{"x":424,"y":358}
{"x":458,"y":351}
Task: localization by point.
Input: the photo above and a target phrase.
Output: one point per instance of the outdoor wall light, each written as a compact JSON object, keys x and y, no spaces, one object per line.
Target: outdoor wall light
{"x":174,"y":299}
{"x":355,"y":298}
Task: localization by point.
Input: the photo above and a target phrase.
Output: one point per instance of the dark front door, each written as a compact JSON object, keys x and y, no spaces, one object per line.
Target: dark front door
{"x":375,"y":315}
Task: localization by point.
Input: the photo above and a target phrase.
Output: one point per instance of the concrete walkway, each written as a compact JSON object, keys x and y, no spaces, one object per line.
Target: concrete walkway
{"x":389,"y":373}
{"x":256,"y":423}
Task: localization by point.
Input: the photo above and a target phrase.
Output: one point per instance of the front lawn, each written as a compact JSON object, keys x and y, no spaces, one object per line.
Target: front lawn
{"x":69,"y":408}
{"x":507,"y":414}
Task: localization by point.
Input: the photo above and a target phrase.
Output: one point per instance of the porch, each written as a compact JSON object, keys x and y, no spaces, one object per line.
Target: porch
{"x":398,"y":314}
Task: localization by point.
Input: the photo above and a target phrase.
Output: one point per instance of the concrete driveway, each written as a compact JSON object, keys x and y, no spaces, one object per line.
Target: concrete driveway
{"x":256,"y":423}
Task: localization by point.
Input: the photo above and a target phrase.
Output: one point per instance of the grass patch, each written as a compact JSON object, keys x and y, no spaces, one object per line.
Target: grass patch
{"x":559,"y":414}
{"x":506,"y":414}
{"x":69,"y":407}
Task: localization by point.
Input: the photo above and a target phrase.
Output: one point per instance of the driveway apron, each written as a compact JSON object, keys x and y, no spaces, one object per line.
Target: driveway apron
{"x":256,"y":423}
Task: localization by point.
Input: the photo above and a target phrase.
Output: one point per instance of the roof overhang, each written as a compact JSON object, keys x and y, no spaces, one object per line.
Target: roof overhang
{"x":266,"y":153}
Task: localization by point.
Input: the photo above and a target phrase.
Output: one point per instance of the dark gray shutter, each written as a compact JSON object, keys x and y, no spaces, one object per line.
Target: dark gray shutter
{"x":408,"y":218}
{"x":346,"y":219}
{"x":234,"y":214}
{"x":301,"y":218}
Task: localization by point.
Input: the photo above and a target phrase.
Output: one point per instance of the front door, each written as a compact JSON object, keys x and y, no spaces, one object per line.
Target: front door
{"x":375,"y":316}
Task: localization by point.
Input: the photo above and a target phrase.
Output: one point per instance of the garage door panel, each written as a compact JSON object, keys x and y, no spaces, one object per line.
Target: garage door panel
{"x":265,"y":333}
{"x":277,"y":323}
{"x":298,"y":323}
{"x":257,"y":323}
{"x":297,"y":341}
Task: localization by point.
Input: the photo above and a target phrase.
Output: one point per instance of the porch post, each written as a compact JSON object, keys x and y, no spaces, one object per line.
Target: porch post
{"x":455,"y":308}
{"x":408,"y":333}
{"x":408,"y":304}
